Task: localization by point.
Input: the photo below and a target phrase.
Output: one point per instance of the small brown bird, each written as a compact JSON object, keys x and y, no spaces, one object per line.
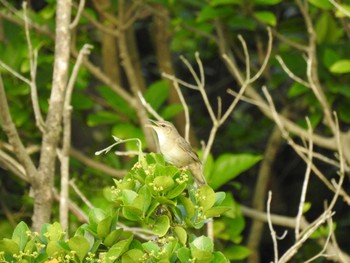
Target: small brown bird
{"x":176,"y":150}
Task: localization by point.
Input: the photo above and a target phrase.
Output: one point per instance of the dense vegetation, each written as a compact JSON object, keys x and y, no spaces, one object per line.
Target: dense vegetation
{"x":260,"y":88}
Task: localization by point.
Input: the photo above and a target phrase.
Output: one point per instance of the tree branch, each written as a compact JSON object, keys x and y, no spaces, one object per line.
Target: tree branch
{"x":44,"y":182}
{"x":12,"y":134}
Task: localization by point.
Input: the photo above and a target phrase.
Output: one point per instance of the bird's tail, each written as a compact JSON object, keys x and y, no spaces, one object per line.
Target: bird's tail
{"x":197,"y":172}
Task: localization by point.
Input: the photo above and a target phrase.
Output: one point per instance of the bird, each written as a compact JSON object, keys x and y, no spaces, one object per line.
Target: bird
{"x":176,"y":150}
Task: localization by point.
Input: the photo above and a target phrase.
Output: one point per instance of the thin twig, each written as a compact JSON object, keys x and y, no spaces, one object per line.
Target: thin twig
{"x":11,"y":132}
{"x":78,"y":15}
{"x":294,"y":249}
{"x":318,"y":173}
{"x":321,"y":253}
{"x":272,"y":231}
{"x":96,"y":165}
{"x":80,"y":194}
{"x":290,"y":73}
{"x":33,"y":55}
{"x":66,"y":140}
{"x":246,"y":55}
{"x":340,"y":8}
{"x":186,"y":110}
{"x":14,"y":73}
{"x":148,"y":106}
{"x":305,"y":183}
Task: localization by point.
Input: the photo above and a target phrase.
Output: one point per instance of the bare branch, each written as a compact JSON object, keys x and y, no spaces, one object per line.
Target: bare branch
{"x":78,"y":15}
{"x":305,"y":183}
{"x":33,"y":55}
{"x":7,"y":162}
{"x":66,"y":140}
{"x":14,"y":73}
{"x":324,"y":249}
{"x":96,"y":165}
{"x":272,"y":231}
{"x":80,"y":194}
{"x":290,"y":73}
{"x":149,"y":107}
{"x":43,"y":183}
{"x":12,"y":134}
{"x":183,"y":102}
{"x":340,"y":8}
{"x":285,"y":134}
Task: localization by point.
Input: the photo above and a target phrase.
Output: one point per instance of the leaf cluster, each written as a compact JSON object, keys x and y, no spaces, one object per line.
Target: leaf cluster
{"x":156,"y":200}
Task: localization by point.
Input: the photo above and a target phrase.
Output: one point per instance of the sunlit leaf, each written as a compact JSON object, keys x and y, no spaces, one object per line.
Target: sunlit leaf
{"x":266,"y":17}
{"x":341,"y":66}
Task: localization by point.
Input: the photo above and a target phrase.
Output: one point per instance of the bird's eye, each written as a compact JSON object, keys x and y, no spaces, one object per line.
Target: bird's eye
{"x":163,"y":125}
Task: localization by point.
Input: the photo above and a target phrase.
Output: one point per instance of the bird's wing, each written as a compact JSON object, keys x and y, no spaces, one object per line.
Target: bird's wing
{"x":187,"y":148}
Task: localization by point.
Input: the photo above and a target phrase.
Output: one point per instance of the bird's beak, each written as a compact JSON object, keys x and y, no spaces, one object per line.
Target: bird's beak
{"x":153,"y":124}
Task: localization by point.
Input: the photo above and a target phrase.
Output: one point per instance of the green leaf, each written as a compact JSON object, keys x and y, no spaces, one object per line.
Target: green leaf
{"x":225,"y":2}
{"x":129,"y":196}
{"x":340,"y":13}
{"x":116,"y":101}
{"x":340,"y":90}
{"x":118,"y":249}
{"x":181,"y":234}
{"x":55,"y":232}
{"x":267,"y":2}
{"x":327,"y":29}
{"x":157,"y":93}
{"x":161,"y":225}
{"x":343,"y":111}
{"x":206,"y":197}
{"x":169,"y":249}
{"x":219,"y":197}
{"x":104,"y":227}
{"x":188,"y":205}
{"x":240,"y":22}
{"x":102,"y":117}
{"x":132,"y":256}
{"x":216,"y":211}
{"x":341,"y":66}
{"x":228,"y":166}
{"x":203,"y":243}
{"x":306,"y":207}
{"x":151,"y":247}
{"x":230,"y":229}
{"x":96,"y":215}
{"x":297,"y":89}
{"x":56,"y":248}
{"x":330,"y":56}
{"x":30,"y":246}
{"x":176,"y":191}
{"x":266,"y":17}
{"x":112,"y":237}
{"x":171,"y":111}
{"x":209,"y":13}
{"x":236,"y":252}
{"x":132,"y":213}
{"x":220,"y":258}
{"x":80,"y":245}
{"x":9,"y":246}
{"x":201,"y":249}
{"x":323,"y":4}
{"x":163,"y":183}
{"x":184,"y":255}
{"x":81,"y":102}
{"x":20,"y":235}
{"x":146,"y":199}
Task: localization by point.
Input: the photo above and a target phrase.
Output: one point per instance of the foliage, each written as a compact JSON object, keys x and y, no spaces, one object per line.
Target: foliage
{"x":153,"y":195}
{"x":154,"y":198}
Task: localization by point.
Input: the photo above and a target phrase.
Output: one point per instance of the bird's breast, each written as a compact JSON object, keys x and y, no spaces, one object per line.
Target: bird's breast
{"x":175,"y":155}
